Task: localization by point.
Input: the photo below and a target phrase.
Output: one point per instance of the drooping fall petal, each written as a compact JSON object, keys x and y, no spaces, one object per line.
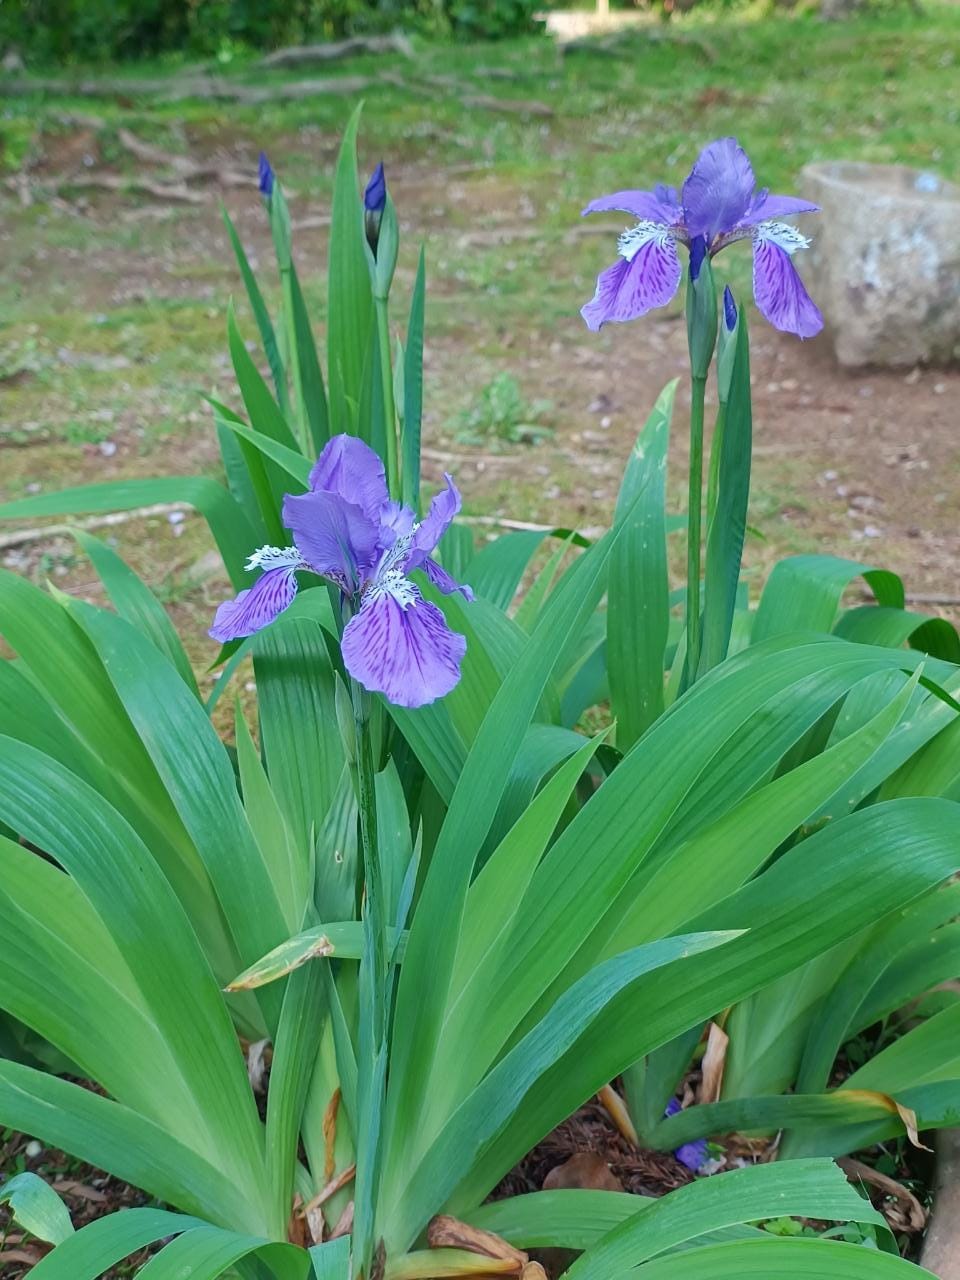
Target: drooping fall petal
{"x":779,"y":292}
{"x":256,"y":607}
{"x":634,"y":286}
{"x":400,"y":645}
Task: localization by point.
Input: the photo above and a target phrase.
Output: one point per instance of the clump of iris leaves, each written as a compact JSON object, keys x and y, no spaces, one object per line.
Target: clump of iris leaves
{"x":455,"y":923}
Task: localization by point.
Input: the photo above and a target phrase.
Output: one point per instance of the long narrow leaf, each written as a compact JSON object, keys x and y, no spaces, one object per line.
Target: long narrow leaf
{"x":638,"y":610}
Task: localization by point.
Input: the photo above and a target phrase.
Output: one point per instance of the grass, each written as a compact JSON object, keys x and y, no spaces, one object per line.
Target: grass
{"x":113,"y":306}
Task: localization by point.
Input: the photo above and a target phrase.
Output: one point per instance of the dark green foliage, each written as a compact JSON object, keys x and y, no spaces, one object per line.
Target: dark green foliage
{"x":92,"y":30}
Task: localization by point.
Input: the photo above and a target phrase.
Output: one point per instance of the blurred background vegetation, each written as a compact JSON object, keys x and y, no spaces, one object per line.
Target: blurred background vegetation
{"x":99,"y":30}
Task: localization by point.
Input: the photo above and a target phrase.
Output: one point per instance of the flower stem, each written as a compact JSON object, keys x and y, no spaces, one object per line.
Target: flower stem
{"x":694,"y":513}
{"x":389,"y":409}
{"x":374,"y":977}
{"x":374,"y":907}
{"x":293,"y":358}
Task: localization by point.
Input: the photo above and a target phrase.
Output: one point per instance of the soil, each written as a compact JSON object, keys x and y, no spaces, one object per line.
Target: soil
{"x":89,"y":1193}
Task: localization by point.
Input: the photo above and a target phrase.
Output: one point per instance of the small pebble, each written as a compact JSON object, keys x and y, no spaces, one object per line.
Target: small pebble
{"x":33,"y":1149}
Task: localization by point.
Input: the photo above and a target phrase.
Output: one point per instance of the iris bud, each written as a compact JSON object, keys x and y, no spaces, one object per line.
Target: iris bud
{"x":374,"y":203}
{"x":727,"y":344}
{"x":265,"y":178}
{"x":382,"y":232}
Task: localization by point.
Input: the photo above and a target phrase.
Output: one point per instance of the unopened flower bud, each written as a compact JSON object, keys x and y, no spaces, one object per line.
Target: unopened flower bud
{"x":374,"y":202}
{"x":727,"y":345}
{"x":265,"y":176}
{"x":729,"y":309}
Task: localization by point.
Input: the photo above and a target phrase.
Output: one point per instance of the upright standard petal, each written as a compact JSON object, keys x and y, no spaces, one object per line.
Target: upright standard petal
{"x":396,"y":521}
{"x":401,"y":646}
{"x":646,"y":275}
{"x":351,"y":469}
{"x":334,"y":537}
{"x":257,"y":607}
{"x":764,"y":207}
{"x":434,"y":524}
{"x":659,"y":205}
{"x":719,"y":189}
{"x":777,"y":288}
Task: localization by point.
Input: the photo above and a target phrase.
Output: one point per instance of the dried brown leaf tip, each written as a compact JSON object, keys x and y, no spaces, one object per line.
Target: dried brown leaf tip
{"x":585,"y":1170}
{"x":446,"y":1232}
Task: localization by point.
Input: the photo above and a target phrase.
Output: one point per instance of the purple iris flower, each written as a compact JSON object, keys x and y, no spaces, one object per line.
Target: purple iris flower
{"x":718,"y":204}
{"x":265,"y":176}
{"x":691,"y":1154}
{"x":348,"y":530}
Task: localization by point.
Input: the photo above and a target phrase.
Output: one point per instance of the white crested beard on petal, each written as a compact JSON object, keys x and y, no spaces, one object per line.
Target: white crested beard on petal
{"x":783,"y":235}
{"x":393,"y":582}
{"x":633,"y":240}
{"x":274,"y":558}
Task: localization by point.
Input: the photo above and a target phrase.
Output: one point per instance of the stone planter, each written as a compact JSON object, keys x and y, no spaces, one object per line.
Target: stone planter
{"x":884,"y":266}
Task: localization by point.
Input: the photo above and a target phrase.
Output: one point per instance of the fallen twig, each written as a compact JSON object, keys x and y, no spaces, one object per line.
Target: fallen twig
{"x":183,"y":165}
{"x":116,"y":182}
{"x":21,"y":537}
{"x":333,"y":50}
{"x":913,"y":1214}
{"x":622,"y":44}
{"x":215,"y":88}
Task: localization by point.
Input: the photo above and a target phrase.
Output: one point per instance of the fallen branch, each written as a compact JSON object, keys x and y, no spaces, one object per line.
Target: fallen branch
{"x":114,"y":182}
{"x":317,"y":54}
{"x":500,"y":522}
{"x":622,"y":44}
{"x":482,"y":101}
{"x":919,"y":597}
{"x":22,"y":537}
{"x":913,"y":1216}
{"x":187,"y":168}
{"x":206,"y":88}
{"x":512,"y":106}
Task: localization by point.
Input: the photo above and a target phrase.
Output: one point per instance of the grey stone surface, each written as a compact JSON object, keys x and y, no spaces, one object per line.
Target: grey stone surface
{"x":884,"y":266}
{"x":941,"y":1248}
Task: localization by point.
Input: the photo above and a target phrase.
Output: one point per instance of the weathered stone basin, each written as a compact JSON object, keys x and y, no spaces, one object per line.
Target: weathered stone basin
{"x":884,"y":266}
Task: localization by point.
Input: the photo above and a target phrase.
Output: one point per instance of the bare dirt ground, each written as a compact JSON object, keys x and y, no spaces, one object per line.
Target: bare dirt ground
{"x":861,"y":465}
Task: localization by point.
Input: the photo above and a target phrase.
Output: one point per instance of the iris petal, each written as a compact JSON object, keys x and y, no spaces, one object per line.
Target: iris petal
{"x":660,"y":205}
{"x":400,"y":645}
{"x":443,"y":581}
{"x":779,"y":292}
{"x":766,"y":206}
{"x":257,"y":607}
{"x":719,"y":189}
{"x":351,"y":469}
{"x":631,"y":288}
{"x":335,"y":537}
{"x":435,"y":523}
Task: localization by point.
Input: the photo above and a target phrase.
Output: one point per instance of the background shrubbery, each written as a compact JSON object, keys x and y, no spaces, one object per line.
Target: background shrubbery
{"x":55,"y":30}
